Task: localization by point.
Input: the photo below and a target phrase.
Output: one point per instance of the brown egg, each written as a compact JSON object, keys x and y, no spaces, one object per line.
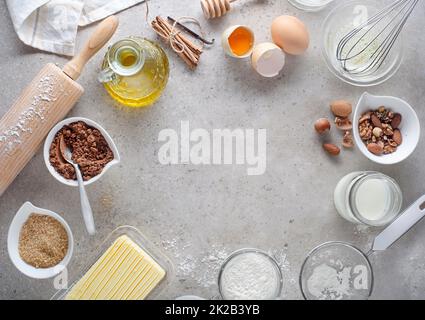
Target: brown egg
{"x":290,"y":34}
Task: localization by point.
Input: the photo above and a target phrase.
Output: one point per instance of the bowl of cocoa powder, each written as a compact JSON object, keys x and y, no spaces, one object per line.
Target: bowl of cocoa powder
{"x":92,"y":149}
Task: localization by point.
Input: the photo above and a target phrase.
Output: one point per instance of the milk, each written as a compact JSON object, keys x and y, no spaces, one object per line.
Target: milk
{"x":370,"y":198}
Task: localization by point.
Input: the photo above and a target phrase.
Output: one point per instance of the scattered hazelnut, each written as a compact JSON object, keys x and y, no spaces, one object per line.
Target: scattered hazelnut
{"x":341,"y":108}
{"x":331,"y":149}
{"x":322,"y":125}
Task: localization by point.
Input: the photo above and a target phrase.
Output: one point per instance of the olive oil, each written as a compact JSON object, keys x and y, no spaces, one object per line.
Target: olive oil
{"x":136,"y":72}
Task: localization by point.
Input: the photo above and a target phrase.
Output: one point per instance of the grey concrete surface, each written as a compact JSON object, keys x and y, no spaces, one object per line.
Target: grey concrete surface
{"x":199,"y":214}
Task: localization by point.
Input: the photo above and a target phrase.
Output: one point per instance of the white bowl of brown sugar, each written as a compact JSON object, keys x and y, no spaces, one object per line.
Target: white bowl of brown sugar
{"x":92,"y":149}
{"x":39,"y":242}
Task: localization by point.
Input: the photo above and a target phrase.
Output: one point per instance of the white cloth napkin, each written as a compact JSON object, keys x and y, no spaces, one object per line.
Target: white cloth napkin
{"x":51,"y":25}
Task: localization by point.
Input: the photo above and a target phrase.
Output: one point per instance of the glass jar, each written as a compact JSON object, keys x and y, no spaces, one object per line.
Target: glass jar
{"x":135,"y":71}
{"x":369,"y":198}
{"x":250,"y":274}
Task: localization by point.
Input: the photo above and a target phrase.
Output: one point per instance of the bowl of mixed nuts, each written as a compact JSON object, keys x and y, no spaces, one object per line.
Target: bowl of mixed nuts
{"x":386,"y":129}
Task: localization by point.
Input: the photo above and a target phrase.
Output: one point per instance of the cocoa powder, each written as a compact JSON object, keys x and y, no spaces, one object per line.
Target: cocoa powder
{"x":89,"y":150}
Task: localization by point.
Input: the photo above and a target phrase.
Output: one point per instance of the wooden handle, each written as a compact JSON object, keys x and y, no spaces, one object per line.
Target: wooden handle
{"x":98,"y":39}
{"x":45,"y":101}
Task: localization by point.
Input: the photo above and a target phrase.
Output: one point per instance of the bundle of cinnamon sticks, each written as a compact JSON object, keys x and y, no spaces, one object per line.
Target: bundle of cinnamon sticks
{"x":186,"y":49}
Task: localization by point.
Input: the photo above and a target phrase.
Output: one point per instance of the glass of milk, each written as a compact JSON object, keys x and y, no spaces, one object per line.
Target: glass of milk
{"x":370,"y":198}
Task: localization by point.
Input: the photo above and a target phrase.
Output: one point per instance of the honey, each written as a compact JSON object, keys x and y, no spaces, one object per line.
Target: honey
{"x":241,"y":41}
{"x":135,"y":72}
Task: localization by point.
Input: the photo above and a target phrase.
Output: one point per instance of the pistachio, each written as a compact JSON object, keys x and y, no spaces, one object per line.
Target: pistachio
{"x":341,"y":108}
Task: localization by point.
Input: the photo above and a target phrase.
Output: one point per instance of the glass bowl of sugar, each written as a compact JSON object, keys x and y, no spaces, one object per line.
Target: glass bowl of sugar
{"x":250,"y":274}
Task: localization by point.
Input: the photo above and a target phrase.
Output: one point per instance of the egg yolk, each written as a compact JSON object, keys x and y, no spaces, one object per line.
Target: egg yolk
{"x":240,"y":41}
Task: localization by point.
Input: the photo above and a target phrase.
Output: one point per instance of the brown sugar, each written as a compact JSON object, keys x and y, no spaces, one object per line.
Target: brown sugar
{"x":43,"y":241}
{"x":89,"y":149}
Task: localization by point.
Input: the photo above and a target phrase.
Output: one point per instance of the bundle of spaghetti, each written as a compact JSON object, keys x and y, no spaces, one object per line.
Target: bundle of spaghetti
{"x":186,"y":49}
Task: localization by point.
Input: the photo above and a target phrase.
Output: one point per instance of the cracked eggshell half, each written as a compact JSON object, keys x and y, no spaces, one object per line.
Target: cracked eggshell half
{"x":290,"y":34}
{"x":268,"y":59}
{"x":238,"y":41}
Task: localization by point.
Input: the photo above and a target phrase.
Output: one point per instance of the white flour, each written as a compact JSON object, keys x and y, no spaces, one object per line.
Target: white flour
{"x":327,"y":283}
{"x":250,"y":276}
{"x":12,"y":136}
{"x":203,"y":269}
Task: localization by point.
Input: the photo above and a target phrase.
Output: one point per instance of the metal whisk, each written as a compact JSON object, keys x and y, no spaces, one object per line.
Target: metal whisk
{"x":364,"y":50}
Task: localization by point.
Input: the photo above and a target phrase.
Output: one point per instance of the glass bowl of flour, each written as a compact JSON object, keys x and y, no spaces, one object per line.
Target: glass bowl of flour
{"x":250,"y":274}
{"x":336,"y":271}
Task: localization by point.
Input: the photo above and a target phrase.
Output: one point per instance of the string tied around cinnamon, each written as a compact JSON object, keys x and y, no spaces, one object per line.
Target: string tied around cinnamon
{"x":185,"y":48}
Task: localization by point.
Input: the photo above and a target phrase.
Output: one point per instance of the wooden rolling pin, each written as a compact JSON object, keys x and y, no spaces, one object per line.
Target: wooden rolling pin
{"x":44,"y":102}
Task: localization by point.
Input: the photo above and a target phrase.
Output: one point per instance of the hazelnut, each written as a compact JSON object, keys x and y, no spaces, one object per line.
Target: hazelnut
{"x":322,"y":125}
{"x":377,"y":132}
{"x":341,"y":108}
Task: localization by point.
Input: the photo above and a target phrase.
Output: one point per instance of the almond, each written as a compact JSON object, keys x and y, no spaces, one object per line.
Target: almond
{"x":332,"y":149}
{"x":341,"y":108}
{"x":395,"y":123}
{"x":375,"y":121}
{"x":322,"y":125}
{"x":397,"y":137}
{"x":375,"y":148}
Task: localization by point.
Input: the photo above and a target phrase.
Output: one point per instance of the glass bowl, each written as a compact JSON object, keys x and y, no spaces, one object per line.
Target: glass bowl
{"x":310,"y":5}
{"x":229,"y":269}
{"x":340,"y":21}
{"x":336,"y":271}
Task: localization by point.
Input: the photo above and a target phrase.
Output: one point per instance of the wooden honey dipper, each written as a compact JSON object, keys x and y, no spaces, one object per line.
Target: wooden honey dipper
{"x":215,"y":8}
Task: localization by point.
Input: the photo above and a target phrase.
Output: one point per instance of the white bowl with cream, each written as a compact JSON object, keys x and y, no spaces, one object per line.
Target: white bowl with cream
{"x":51,"y":136}
{"x":13,"y":243}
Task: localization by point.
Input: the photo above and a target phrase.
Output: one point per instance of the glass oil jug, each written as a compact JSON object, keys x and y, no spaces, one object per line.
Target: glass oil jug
{"x":135,"y":71}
